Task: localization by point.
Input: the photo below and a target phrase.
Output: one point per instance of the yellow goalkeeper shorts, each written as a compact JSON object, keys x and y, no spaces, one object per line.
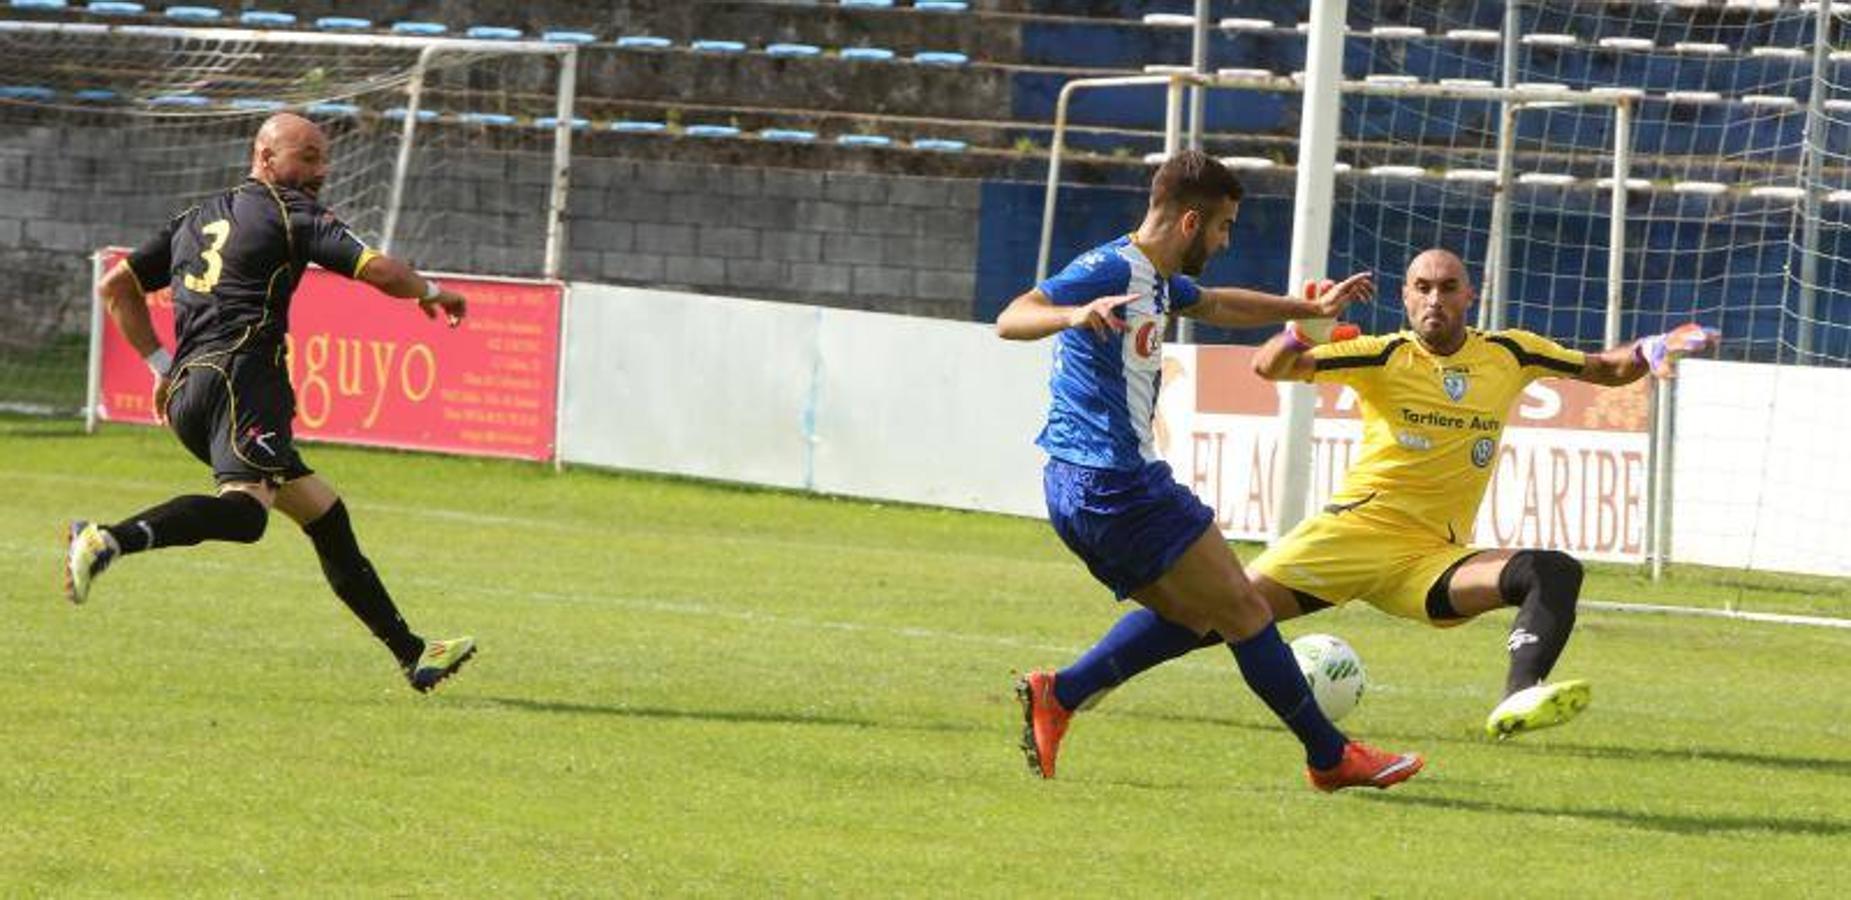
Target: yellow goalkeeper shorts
{"x":1339,"y":556}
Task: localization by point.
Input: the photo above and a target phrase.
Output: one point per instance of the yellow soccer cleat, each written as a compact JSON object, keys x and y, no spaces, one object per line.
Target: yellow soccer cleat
{"x":87,"y":552}
{"x":439,"y":661}
{"x":1542,"y":706}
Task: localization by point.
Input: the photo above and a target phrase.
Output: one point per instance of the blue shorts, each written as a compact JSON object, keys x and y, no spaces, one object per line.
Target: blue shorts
{"x":1129,"y":527}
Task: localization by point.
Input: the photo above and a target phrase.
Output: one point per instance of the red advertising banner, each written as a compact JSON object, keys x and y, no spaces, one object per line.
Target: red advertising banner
{"x":370,"y":369}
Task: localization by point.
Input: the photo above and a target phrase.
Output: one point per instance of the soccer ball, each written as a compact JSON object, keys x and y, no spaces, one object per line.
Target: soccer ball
{"x":1334,"y":672}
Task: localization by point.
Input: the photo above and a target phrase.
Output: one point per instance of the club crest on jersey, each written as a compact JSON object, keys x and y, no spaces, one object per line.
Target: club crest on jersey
{"x":1482,"y":451}
{"x":1454,"y":384}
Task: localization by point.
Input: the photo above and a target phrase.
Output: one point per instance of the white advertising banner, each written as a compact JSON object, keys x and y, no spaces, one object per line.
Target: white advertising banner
{"x":1571,"y":473}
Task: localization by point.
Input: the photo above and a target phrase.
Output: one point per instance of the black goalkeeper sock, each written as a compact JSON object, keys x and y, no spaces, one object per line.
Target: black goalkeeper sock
{"x":355,"y":582}
{"x":192,"y":519}
{"x":1544,"y":585}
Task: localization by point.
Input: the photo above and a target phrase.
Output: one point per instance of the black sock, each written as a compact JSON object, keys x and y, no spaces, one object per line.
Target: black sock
{"x":1544,"y":585}
{"x":191,"y":519}
{"x":355,"y":582}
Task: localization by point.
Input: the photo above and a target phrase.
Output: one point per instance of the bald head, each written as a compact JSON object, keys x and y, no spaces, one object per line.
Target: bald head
{"x":290,"y":151}
{"x":1437,"y":294}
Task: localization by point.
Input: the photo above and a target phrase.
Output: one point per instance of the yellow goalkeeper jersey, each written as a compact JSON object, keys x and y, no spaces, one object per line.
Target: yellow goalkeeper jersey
{"x":1432,"y":424}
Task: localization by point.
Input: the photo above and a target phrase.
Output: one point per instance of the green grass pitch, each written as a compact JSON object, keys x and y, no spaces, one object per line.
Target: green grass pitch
{"x":689,"y":689}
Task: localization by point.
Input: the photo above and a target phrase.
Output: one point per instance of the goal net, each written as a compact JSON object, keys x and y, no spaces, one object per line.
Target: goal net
{"x":107,"y":132}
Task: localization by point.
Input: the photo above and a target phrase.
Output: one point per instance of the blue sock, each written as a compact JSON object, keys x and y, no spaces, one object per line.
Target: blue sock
{"x":1272,"y":672}
{"x":1140,"y":640}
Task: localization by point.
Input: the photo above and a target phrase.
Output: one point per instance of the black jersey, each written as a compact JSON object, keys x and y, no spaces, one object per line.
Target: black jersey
{"x":234,"y":260}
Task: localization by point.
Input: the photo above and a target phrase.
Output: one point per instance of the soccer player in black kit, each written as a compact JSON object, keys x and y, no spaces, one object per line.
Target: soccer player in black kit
{"x":233,"y":261}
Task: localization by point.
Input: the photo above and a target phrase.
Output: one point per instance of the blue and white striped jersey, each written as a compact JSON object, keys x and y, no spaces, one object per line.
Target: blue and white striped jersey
{"x":1105,"y":391}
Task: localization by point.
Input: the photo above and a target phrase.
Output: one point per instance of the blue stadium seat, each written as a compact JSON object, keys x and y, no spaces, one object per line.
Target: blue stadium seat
{"x":643,"y":42}
{"x":34,"y":92}
{"x":397,"y":114}
{"x":579,"y":123}
{"x":420,"y":29}
{"x":115,"y":8}
{"x":190,"y":101}
{"x":264,"y":19}
{"x":787,"y":134}
{"x":864,"y":140}
{"x":939,"y":145}
{"x":867,"y":54}
{"x":96,"y":95}
{"x":193,"y":13}
{"x":332,"y":109}
{"x":943,"y":6}
{"x":485,"y":118}
{"x":867,"y":4}
{"x":710,"y":131}
{"x":493,"y":33}
{"x":940,"y":58}
{"x":703,"y":45}
{"x":343,"y":23}
{"x":793,"y":50}
{"x":638,"y":126}
{"x":38,"y":4}
{"x":568,"y":37}
{"x":257,"y":104}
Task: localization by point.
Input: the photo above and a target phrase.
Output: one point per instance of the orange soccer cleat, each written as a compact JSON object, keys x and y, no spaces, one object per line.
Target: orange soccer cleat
{"x":1044,"y":721}
{"x":1365,"y":766}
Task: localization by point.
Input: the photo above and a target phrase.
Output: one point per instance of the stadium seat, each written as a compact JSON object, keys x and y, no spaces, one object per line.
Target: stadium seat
{"x":579,"y":123}
{"x":493,"y":33}
{"x":191,"y":101}
{"x":637,"y":126}
{"x":193,"y":13}
{"x":96,"y":95}
{"x":867,"y":54}
{"x":940,"y":58}
{"x":397,"y":114}
{"x":793,"y":50}
{"x":114,"y":8}
{"x":939,"y":145}
{"x":867,"y":4}
{"x":643,"y":42}
{"x":343,"y":23}
{"x":941,"y":6}
{"x":38,"y":4}
{"x":710,"y":131}
{"x":420,"y":29}
{"x":703,"y":45}
{"x":332,"y":109}
{"x":568,"y":37}
{"x":485,"y":118}
{"x":265,"y":19}
{"x":787,"y":134}
{"x":257,"y":104}
{"x":34,"y":92}
{"x":864,"y":140}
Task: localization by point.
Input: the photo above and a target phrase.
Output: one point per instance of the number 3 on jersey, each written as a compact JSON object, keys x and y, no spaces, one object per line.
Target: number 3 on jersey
{"x":219,"y":231}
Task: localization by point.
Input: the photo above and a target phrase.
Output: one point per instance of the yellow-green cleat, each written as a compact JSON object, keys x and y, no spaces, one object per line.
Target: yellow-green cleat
{"x":87,"y":552}
{"x":1542,"y":706}
{"x":439,"y":661}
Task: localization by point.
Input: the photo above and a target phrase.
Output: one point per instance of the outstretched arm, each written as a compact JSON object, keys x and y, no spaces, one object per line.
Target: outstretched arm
{"x":1657,"y":354}
{"x":1244,"y":308}
{"x":395,"y":278}
{"x":1284,"y":358}
{"x":1032,"y":316}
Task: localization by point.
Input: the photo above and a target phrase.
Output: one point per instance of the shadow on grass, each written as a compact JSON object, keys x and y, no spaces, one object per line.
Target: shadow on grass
{"x":1674,"y":823}
{"x":738,"y":716}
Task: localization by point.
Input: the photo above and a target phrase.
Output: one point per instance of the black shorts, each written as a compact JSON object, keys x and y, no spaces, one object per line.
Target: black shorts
{"x":234,"y":412}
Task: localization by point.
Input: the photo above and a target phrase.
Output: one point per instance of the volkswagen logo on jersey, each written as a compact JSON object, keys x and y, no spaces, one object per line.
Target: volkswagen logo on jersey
{"x":1482,"y":451}
{"x":1454,"y":384}
{"x":1147,"y":340}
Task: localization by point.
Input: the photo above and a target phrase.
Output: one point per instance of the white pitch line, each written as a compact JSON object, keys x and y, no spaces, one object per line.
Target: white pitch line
{"x":1741,"y":615}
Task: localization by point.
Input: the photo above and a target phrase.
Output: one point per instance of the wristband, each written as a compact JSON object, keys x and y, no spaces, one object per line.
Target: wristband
{"x":159,"y":362}
{"x":431,"y":289}
{"x":1294,"y":341}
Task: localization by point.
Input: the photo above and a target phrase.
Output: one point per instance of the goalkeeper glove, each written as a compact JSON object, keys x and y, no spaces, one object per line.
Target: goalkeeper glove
{"x":1660,"y":352}
{"x":1303,"y":334}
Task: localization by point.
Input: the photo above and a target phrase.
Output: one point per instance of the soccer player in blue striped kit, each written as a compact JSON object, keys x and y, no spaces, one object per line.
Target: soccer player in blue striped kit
{"x":1114,"y":502}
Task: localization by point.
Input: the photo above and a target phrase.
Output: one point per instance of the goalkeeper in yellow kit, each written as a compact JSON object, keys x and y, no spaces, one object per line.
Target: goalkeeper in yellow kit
{"x":1433,"y":400}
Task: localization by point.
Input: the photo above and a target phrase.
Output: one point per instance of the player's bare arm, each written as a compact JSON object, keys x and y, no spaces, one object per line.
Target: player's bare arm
{"x":394,"y":278}
{"x":1284,"y":358}
{"x":128,"y":309}
{"x":1656,"y":355}
{"x":1245,"y":308}
{"x":1033,"y":316}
